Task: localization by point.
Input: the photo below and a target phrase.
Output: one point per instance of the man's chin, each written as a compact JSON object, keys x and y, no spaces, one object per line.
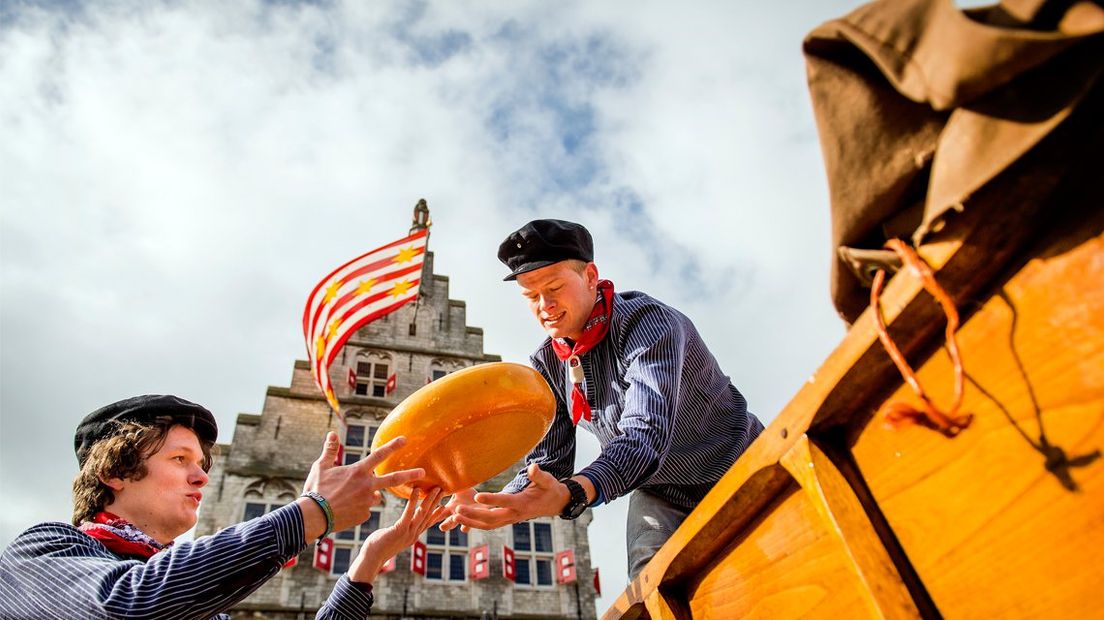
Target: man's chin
{"x":559,"y":331}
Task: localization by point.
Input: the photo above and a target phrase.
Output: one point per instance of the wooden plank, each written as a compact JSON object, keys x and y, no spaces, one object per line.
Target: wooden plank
{"x":842,"y":514}
{"x":1005,"y":520}
{"x":787,"y":565}
{"x":665,"y":606}
{"x":734,"y":502}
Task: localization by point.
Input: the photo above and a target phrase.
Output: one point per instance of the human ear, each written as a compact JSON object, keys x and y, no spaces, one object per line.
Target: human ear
{"x":115,"y":484}
{"x":591,"y":274}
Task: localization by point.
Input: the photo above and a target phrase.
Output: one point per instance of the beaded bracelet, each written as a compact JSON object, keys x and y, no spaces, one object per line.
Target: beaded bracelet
{"x":325,"y":506}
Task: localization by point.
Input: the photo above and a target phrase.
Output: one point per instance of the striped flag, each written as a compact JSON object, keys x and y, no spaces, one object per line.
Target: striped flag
{"x":356,"y":293}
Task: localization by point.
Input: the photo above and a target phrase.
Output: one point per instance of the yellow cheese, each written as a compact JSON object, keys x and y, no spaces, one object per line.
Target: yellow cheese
{"x":468,"y":426}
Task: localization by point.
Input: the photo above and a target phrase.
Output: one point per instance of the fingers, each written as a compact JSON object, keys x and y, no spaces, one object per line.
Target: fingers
{"x":491,"y":520}
{"x":461,"y":497}
{"x":440,"y":513}
{"x":408,"y":511}
{"x":377,"y":456}
{"x":328,"y":458}
{"x":540,"y":477}
{"x":432,"y":510}
{"x":501,"y":500}
{"x":399,"y":478}
{"x":451,"y":523}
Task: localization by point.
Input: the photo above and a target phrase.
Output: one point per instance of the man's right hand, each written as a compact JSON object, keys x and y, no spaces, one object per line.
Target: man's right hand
{"x":351,"y":490}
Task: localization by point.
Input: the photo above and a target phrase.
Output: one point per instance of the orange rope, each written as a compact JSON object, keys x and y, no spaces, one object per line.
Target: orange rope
{"x":898,"y":413}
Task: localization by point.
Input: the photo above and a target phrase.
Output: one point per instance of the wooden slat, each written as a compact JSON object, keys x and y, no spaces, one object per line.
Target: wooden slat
{"x":841,"y":513}
{"x":787,"y":565}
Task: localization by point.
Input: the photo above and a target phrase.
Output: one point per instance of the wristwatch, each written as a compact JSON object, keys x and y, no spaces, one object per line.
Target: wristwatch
{"x":578,"y":502}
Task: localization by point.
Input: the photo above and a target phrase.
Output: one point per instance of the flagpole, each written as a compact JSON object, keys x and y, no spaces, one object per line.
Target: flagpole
{"x":420,"y":221}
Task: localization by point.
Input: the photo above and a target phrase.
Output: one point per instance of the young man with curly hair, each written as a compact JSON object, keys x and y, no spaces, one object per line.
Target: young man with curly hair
{"x":144,"y":463}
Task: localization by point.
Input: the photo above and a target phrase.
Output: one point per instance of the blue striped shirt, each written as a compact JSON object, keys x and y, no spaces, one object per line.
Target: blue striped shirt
{"x":53,"y":570}
{"x":668,"y":420}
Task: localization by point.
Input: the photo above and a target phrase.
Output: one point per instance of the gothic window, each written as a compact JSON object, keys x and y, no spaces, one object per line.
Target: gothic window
{"x":533,"y":556}
{"x":440,"y":367}
{"x":372,"y":371}
{"x":347,"y":543}
{"x":446,"y":555}
{"x":264,"y":497}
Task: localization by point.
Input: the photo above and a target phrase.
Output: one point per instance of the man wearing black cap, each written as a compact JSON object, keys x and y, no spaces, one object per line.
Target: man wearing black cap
{"x":144,"y":462}
{"x":630,"y":369}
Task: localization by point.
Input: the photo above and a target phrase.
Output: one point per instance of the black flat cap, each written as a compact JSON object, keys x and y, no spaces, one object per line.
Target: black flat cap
{"x":148,"y":409}
{"x":543,"y":242}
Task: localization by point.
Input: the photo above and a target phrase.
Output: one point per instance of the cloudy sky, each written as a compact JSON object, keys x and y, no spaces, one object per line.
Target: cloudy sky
{"x":175,"y":177}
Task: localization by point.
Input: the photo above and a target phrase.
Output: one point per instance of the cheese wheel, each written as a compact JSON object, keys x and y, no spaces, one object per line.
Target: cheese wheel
{"x":468,"y":426}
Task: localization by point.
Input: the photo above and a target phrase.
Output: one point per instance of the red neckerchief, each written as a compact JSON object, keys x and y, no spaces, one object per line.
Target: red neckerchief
{"x":120,"y":536}
{"x":594,"y":330}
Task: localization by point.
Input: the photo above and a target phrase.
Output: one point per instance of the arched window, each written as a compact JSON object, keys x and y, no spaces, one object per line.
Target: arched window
{"x":440,"y":367}
{"x":265,"y":496}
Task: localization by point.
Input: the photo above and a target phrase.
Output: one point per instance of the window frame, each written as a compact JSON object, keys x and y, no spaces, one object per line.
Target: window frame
{"x":446,"y":551}
{"x":369,"y":383}
{"x":532,"y":556}
{"x":359,"y":451}
{"x":359,"y":533}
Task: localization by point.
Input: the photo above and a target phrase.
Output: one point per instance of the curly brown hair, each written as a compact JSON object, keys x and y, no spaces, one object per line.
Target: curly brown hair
{"x":122,"y":455}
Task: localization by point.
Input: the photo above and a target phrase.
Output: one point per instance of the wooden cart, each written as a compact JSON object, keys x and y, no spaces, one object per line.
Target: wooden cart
{"x":832,"y":512}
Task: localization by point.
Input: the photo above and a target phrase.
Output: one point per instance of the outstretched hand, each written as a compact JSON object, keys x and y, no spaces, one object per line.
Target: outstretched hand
{"x":352,"y":490}
{"x":387,"y":542}
{"x":544,"y":497}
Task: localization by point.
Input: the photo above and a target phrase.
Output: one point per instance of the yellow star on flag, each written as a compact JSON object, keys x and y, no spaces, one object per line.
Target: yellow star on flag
{"x":333,"y":328}
{"x":319,"y":347}
{"x":405,"y":255}
{"x":365,"y":286}
{"x":399,"y":289}
{"x":331,"y":291}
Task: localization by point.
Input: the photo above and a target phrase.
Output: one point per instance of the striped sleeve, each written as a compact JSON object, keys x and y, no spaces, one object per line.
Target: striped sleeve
{"x":53,"y":570}
{"x":348,"y":601}
{"x":555,"y":453}
{"x":654,"y":349}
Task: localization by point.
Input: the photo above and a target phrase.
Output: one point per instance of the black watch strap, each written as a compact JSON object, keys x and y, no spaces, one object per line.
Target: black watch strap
{"x":578,"y":502}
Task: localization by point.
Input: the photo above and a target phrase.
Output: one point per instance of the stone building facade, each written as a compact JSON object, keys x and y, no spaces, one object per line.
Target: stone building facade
{"x":263,"y":468}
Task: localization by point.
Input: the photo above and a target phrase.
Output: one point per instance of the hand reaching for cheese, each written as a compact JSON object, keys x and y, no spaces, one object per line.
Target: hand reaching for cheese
{"x":422,"y":511}
{"x":544,"y":497}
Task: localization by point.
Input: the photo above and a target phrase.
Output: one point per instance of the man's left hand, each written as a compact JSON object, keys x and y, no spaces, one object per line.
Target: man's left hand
{"x":544,"y":497}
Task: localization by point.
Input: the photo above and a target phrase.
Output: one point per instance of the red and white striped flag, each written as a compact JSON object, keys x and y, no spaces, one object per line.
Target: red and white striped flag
{"x":358,"y":292}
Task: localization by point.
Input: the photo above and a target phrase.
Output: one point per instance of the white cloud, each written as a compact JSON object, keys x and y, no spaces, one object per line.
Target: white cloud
{"x":176,"y":176}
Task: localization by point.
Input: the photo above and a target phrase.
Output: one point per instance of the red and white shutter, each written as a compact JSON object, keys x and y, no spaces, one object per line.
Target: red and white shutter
{"x":352,"y":380}
{"x":508,"y":563}
{"x":392,"y":381}
{"x":479,"y":563}
{"x":323,"y":555}
{"x":418,"y":558}
{"x":565,"y":566}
